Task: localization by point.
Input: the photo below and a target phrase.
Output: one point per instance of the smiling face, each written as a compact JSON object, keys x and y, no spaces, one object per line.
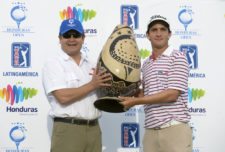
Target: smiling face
{"x":71,"y":42}
{"x":159,"y":36}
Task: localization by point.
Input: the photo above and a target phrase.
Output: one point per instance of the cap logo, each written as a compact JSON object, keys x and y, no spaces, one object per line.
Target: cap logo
{"x":158,"y":17}
{"x":71,"y":23}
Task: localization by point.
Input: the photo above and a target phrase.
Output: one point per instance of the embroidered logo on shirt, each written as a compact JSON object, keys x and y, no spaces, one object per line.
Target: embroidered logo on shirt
{"x":163,"y":72}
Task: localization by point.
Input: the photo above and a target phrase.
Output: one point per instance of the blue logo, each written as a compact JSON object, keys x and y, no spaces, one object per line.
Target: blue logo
{"x":129,"y":16}
{"x":17,"y":134}
{"x":18,"y":13}
{"x":192,"y":55}
{"x":185,"y":16}
{"x":21,"y":55}
{"x":130,"y":135}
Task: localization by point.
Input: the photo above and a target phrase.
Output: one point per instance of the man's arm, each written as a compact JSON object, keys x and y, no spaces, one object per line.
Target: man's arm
{"x":70,"y":95}
{"x":166,"y":96}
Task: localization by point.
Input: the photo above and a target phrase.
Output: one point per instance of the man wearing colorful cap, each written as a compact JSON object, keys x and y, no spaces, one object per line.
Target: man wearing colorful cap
{"x":70,"y":81}
{"x":164,"y":94}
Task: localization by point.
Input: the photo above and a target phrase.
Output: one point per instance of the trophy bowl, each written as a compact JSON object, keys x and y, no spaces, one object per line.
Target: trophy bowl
{"x":119,"y":57}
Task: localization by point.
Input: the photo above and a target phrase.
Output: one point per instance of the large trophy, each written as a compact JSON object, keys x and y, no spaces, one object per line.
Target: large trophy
{"x":120,"y":58}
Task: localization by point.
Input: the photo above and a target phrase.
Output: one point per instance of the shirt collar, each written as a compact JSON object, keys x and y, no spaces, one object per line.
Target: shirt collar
{"x":167,"y":52}
{"x":67,"y":57}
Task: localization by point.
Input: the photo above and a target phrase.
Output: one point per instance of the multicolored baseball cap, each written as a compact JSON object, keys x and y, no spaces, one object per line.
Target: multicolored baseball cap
{"x":71,"y":24}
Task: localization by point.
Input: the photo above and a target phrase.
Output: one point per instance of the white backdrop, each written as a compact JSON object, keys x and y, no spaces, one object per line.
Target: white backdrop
{"x":28,"y":36}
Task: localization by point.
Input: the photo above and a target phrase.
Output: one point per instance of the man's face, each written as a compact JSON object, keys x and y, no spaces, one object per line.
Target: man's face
{"x":159,"y":36}
{"x":71,"y":42}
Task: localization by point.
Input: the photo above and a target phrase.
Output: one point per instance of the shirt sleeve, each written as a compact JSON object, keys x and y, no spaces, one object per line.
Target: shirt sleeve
{"x":178,"y":77}
{"x":53,"y":76}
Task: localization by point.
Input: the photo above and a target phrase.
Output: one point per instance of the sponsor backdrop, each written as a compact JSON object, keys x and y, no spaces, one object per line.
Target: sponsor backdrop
{"x":28,"y":36}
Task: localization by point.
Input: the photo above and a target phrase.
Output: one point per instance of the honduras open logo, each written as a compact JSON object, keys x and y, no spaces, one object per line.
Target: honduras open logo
{"x":185,"y":17}
{"x":18,"y":13}
{"x":17,"y":134}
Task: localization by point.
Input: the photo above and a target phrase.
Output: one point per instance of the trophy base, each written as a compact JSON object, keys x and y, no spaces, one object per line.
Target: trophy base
{"x":109,"y":104}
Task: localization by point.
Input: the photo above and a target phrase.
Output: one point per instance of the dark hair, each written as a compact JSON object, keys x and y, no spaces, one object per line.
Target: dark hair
{"x":158,"y":22}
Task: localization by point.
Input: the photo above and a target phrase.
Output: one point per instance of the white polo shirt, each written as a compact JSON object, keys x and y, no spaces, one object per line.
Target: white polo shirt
{"x":62,"y":72}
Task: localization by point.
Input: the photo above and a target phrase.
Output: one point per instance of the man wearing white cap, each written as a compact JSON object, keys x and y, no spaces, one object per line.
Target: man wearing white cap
{"x":164,"y":94}
{"x":70,"y":81}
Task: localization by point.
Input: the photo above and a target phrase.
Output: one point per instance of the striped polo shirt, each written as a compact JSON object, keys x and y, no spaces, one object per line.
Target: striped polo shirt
{"x":169,"y":71}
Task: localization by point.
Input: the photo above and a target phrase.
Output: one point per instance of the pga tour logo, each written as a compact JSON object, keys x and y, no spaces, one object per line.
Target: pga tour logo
{"x":192,"y":54}
{"x":20,"y":55}
{"x":129,"y":16}
{"x":130,"y":135}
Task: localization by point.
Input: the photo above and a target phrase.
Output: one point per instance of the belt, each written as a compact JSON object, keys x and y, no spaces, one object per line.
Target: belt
{"x":77,"y":121}
{"x":168,"y":124}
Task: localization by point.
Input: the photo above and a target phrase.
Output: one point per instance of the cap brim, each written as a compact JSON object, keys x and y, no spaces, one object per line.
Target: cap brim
{"x":70,"y":30}
{"x":158,"y":20}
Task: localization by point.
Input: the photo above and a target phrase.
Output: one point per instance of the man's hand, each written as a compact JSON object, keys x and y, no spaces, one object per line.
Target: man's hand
{"x":128,"y":102}
{"x":100,"y":78}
